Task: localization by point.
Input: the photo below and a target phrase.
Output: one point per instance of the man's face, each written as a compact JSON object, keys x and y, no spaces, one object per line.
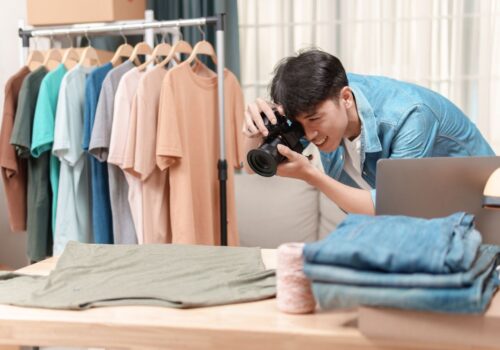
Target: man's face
{"x":326,"y":126}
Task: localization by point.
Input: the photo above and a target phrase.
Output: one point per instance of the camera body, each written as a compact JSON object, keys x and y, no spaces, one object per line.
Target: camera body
{"x":264,"y":160}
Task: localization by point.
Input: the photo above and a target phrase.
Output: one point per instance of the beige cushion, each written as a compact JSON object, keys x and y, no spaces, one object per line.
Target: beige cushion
{"x":275,"y":210}
{"x":330,"y":216}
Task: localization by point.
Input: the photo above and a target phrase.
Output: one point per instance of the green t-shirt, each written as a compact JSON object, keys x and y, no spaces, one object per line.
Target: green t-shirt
{"x":178,"y":276}
{"x":43,"y":127}
{"x":38,"y":220}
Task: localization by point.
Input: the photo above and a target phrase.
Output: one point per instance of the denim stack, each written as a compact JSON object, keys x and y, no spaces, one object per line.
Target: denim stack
{"x":403,"y":262}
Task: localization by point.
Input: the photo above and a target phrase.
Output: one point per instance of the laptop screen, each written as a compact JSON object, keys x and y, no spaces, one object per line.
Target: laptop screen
{"x":436,"y":187}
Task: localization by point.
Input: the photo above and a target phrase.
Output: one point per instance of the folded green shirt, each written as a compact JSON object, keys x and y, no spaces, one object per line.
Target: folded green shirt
{"x":178,"y":276}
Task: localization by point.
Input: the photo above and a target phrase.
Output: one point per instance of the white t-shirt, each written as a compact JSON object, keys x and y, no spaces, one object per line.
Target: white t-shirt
{"x":352,"y":164}
{"x":73,"y":219}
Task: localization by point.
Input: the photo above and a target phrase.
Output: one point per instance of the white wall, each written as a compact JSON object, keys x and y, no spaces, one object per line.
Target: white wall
{"x":12,"y":245}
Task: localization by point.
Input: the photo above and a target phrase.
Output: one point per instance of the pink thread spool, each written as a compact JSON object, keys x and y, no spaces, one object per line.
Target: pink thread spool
{"x":293,"y":288}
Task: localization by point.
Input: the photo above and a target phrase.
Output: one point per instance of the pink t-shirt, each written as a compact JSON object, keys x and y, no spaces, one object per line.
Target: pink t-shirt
{"x":123,"y":106}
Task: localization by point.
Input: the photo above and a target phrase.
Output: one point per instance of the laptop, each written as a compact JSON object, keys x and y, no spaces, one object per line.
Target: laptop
{"x":437,"y":187}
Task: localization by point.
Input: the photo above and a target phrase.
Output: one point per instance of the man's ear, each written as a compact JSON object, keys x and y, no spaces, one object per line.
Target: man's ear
{"x":346,"y":96}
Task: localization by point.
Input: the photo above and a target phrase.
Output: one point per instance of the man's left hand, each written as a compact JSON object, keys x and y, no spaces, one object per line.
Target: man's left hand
{"x":297,"y":165}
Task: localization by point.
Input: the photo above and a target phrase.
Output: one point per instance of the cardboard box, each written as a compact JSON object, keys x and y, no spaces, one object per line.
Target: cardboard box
{"x":53,"y":12}
{"x":456,"y":331}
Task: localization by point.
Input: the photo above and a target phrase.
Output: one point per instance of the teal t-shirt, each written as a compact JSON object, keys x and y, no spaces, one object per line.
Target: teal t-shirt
{"x":43,"y":127}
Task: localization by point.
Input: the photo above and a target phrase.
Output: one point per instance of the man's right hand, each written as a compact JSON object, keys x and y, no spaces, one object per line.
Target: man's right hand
{"x":253,"y":127}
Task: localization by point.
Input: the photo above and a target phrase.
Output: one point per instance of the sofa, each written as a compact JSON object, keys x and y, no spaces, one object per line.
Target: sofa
{"x":277,"y":210}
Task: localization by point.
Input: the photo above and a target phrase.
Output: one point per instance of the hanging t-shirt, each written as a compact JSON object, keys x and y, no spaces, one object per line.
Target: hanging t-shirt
{"x":43,"y":128}
{"x":73,"y":220}
{"x":13,"y":168}
{"x":177,"y":276}
{"x":188,"y":144}
{"x":352,"y":164}
{"x":124,"y":97}
{"x":140,"y":155}
{"x":38,"y":225}
{"x":102,"y":225}
{"x":123,"y":225}
{"x":140,"y":158}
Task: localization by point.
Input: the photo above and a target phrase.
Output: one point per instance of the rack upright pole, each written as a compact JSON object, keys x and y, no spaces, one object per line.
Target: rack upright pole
{"x":222,"y":164}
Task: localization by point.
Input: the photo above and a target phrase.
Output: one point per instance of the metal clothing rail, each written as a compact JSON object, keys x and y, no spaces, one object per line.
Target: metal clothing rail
{"x":218,"y":21}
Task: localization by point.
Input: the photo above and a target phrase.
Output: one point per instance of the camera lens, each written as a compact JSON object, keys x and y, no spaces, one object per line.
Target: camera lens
{"x":265,"y":159}
{"x":262,"y":162}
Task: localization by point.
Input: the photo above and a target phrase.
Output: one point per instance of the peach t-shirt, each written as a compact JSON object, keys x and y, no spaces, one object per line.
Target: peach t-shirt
{"x":188,"y":145}
{"x":140,"y":157}
{"x":123,"y":105}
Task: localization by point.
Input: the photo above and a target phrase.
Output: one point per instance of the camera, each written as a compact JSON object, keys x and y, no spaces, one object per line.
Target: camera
{"x":264,"y":160}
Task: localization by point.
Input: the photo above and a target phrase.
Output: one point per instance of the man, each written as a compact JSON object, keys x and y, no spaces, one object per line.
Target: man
{"x":356,"y":120}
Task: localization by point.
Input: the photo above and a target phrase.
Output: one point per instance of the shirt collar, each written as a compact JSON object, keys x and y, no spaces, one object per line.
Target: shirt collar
{"x":370,"y":142}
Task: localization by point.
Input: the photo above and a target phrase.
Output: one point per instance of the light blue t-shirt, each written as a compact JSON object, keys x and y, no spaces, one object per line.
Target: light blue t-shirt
{"x":102,"y":225}
{"x":73,"y":219}
{"x":43,"y":127}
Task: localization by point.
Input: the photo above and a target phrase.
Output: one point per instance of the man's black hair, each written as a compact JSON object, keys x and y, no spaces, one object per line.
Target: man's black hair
{"x":302,"y":82}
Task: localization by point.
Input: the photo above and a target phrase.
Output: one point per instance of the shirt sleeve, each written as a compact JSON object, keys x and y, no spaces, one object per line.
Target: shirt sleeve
{"x":131,"y":144}
{"x":168,"y":141}
{"x":417,"y":134}
{"x":100,"y":133}
{"x":67,"y":134}
{"x":87,"y":112}
{"x":145,"y":148}
{"x":415,"y":138}
{"x":43,"y":123}
{"x":238,"y":113}
{"x":8,"y":161}
{"x":21,"y":132}
{"x":120,"y":125}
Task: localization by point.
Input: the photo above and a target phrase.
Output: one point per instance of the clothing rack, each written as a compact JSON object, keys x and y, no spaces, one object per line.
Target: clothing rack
{"x":131,"y":26}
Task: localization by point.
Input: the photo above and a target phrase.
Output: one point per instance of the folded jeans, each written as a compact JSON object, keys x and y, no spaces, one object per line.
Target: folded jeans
{"x":399,"y":244}
{"x":473,"y":298}
{"x":345,"y":275}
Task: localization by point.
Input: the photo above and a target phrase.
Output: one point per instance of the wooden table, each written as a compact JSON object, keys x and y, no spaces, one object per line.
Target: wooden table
{"x":254,"y":325}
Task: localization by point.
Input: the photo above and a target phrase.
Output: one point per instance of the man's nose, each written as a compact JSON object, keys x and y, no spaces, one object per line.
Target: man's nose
{"x":310,"y":134}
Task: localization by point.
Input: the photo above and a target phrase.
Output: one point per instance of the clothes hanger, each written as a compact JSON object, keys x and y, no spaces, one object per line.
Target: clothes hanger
{"x":52,"y":55}
{"x":141,"y":48}
{"x":89,"y":55}
{"x":162,"y":49}
{"x":71,"y":56}
{"x":124,"y":50}
{"x":180,"y":46}
{"x":203,"y":47}
{"x":35,"y":59}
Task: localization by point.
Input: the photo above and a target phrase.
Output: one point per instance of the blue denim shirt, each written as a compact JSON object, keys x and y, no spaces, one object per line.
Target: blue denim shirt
{"x":403,"y":120}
